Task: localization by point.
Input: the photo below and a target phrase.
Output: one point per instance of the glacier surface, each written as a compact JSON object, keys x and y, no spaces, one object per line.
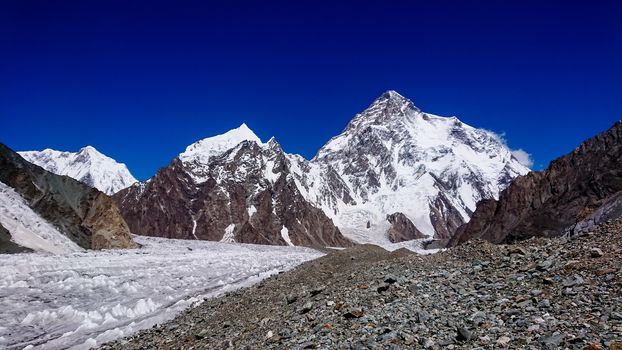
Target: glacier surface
{"x":83,"y":299}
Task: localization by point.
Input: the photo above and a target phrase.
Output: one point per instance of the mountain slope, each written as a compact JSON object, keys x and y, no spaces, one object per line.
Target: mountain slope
{"x":7,"y":245}
{"x":85,"y":215}
{"x":393,"y":159}
{"x":574,"y":193}
{"x":88,"y":166}
{"x":231,"y":188}
{"x":394,"y":174}
{"x":28,"y":229}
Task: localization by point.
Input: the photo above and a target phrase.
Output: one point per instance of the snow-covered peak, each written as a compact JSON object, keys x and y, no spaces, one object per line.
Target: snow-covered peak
{"x":201,"y":151}
{"x":89,"y":149}
{"x":392,"y":97}
{"x":88,"y":165}
{"x":389,"y":104}
{"x":388,"y":111}
{"x":394,"y":158}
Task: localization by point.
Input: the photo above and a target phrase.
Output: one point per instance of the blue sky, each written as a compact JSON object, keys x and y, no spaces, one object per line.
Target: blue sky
{"x":142,"y":80}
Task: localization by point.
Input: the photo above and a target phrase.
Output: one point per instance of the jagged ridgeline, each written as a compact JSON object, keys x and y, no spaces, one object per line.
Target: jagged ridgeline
{"x":88,"y":166}
{"x":395,"y":173}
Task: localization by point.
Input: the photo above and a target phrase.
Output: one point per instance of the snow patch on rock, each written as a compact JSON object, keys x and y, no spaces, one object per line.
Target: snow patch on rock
{"x":285,"y":236}
{"x":229,"y":237}
{"x":27,"y":228}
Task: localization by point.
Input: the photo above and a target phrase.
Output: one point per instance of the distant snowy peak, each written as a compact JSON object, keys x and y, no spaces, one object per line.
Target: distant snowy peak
{"x":201,"y":151}
{"x":88,"y":166}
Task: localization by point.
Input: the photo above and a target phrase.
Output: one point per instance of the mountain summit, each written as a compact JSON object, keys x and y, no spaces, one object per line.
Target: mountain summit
{"x":231,"y":188}
{"x":394,"y":158}
{"x":395,"y":173}
{"x":88,"y":166}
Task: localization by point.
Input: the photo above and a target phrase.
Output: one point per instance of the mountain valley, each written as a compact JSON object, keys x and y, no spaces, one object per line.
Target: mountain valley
{"x":406,"y":230}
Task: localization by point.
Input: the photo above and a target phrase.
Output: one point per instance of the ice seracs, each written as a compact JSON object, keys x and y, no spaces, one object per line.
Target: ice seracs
{"x":88,"y":166}
{"x":82,"y":300}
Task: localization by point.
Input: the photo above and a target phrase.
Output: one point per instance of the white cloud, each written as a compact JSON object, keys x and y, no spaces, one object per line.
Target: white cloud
{"x":523,"y":157}
{"x":520,"y":154}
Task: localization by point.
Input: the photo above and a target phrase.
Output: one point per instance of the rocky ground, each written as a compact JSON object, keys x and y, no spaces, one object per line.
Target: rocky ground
{"x":539,"y":294}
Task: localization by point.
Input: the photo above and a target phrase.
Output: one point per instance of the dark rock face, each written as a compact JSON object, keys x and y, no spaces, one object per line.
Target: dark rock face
{"x":557,"y":200}
{"x":402,"y":229}
{"x":444,"y":217}
{"x":609,"y":210}
{"x":247,"y":194}
{"x":86,"y":215}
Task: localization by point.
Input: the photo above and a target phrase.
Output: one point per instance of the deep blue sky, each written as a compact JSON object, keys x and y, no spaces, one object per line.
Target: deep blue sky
{"x":142,"y":81}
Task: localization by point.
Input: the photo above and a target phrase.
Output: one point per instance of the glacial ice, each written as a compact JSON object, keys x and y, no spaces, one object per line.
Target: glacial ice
{"x":80,"y":300}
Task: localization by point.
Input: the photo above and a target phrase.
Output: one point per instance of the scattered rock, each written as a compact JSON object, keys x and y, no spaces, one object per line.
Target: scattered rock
{"x":517,"y":250}
{"x":503,"y":341}
{"x":473,"y":296}
{"x":545,"y":265}
{"x":354,"y":313}
{"x":596,"y":253}
{"x":463,"y":334}
{"x":305,"y":308}
{"x":390,"y":279}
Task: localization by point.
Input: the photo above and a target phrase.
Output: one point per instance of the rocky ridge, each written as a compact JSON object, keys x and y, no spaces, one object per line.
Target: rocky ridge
{"x":87,"y":216}
{"x":576,"y":192}
{"x":230,"y":188}
{"x":540,"y":294}
{"x":394,"y":174}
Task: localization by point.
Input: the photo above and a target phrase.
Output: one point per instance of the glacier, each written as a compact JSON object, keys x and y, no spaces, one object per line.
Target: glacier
{"x":80,"y":300}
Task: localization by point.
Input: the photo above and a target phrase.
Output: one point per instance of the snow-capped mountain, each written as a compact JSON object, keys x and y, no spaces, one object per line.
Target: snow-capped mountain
{"x":43,"y":211}
{"x":394,"y":174}
{"x":393,"y":158}
{"x":230,"y":188}
{"x":88,"y":166}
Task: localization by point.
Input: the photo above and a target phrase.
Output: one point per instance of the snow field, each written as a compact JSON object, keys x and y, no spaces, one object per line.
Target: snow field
{"x":83,"y":299}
